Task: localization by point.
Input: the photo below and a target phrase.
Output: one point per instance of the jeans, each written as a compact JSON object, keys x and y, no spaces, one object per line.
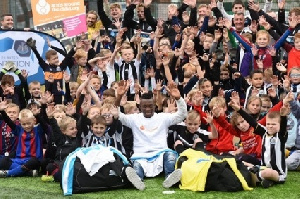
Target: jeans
{"x":169,"y":159}
{"x":293,"y":161}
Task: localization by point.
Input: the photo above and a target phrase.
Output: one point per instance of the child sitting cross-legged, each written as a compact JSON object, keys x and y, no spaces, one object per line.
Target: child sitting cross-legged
{"x":273,"y":168}
{"x":29,"y":150}
{"x":190,"y":135}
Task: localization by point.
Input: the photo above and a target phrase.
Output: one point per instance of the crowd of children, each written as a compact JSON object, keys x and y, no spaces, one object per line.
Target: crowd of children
{"x":210,"y":81}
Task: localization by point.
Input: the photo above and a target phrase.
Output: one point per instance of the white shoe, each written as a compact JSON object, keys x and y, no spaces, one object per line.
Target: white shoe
{"x":172,"y":179}
{"x":3,"y":173}
{"x":134,"y":178}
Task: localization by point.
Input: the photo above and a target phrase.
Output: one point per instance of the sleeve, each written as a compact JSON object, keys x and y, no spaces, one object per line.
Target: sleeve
{"x":193,"y":17}
{"x":40,"y":59}
{"x":274,"y":108}
{"x":68,"y":97}
{"x":241,"y":39}
{"x":226,"y":125}
{"x":252,"y":122}
{"x":150,"y":20}
{"x":105,"y":79}
{"x":181,"y":113}
{"x":58,"y":137}
{"x":222,"y":10}
{"x":191,"y":83}
{"x":43,"y":123}
{"x":126,"y":120}
{"x":281,"y":16}
{"x":217,"y":12}
{"x":295,"y":109}
{"x":60,"y":51}
{"x":282,"y":39}
{"x":68,"y":60}
{"x":9,"y":122}
{"x":128,"y":17}
{"x":103,"y":17}
{"x":271,"y":21}
{"x":283,"y":125}
{"x":202,"y":114}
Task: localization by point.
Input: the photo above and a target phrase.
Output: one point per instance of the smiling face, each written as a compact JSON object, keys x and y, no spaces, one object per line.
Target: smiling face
{"x":239,"y":22}
{"x":98,"y":129}
{"x":147,"y":107}
{"x":192,"y":125}
{"x":27,"y":123}
{"x":71,"y":129}
{"x":262,"y":39}
{"x":238,"y":8}
{"x":91,"y":19}
{"x":7,"y":22}
{"x":53,"y":60}
{"x":115,"y":12}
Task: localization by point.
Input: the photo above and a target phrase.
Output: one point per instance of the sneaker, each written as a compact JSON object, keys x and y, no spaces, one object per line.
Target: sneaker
{"x":32,"y":173}
{"x":47,"y":178}
{"x":172,"y":179}
{"x":267,"y":183}
{"x":134,"y":178}
{"x":3,"y":173}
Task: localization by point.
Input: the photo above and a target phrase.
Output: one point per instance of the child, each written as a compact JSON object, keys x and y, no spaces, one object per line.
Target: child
{"x":29,"y":150}
{"x":8,"y":141}
{"x":190,"y":136}
{"x":292,"y":161}
{"x":53,"y":68}
{"x":96,"y":84}
{"x":273,"y":167}
{"x":294,"y":54}
{"x":223,"y":144}
{"x":12,"y":93}
{"x":34,"y":91}
{"x":262,"y":51}
{"x":129,"y":69}
{"x":66,"y":139}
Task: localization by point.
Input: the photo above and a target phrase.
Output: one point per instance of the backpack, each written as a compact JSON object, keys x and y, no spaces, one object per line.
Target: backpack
{"x":75,"y":178}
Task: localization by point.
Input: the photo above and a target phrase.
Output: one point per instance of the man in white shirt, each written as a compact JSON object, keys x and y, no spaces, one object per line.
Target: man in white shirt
{"x":151,"y":153}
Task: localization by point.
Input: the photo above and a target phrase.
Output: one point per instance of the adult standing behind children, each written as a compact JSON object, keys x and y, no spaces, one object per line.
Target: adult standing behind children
{"x":150,"y":148}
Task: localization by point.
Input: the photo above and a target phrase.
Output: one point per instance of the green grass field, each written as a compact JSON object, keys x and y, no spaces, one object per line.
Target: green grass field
{"x":34,"y":188}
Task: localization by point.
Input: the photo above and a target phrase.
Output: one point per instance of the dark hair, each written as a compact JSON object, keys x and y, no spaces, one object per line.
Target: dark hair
{"x":5,"y":15}
{"x":148,"y":95}
{"x":256,"y":71}
{"x":7,"y":79}
{"x":237,"y":2}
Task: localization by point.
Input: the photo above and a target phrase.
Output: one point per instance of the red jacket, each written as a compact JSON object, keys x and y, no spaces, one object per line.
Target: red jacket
{"x":224,"y":142}
{"x":293,"y":59}
{"x":250,"y":141}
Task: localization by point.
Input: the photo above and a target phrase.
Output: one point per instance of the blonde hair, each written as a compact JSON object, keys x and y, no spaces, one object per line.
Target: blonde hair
{"x":79,"y":54}
{"x":106,"y":107}
{"x":60,"y":107}
{"x":36,"y":83}
{"x":251,"y":99}
{"x":263,"y":32}
{"x":63,"y":124}
{"x":12,"y":105}
{"x":217,"y":101}
{"x":172,"y":5}
{"x":26,"y":114}
{"x":202,"y":5}
{"x":73,"y":85}
{"x":233,"y":120}
{"x":115,"y":5}
{"x":129,"y":106}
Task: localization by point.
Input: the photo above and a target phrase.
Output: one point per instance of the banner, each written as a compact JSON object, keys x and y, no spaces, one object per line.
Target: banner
{"x":59,"y":18}
{"x":13,"y":48}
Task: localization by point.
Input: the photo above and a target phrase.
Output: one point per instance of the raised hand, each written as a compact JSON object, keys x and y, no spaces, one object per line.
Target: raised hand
{"x":35,"y":109}
{"x":66,"y":76}
{"x":286,"y":82}
{"x":85,"y":106}
{"x":289,"y":98}
{"x":209,"y":117}
{"x":122,"y":87}
{"x":50,"y":111}
{"x":24,"y":73}
{"x":260,"y":63}
{"x":70,"y":110}
{"x":235,"y":97}
{"x":147,"y":3}
{"x":158,"y":85}
{"x":234,"y":105}
{"x":173,"y":90}
{"x":254,"y":50}
{"x":227,"y":23}
{"x":272,"y":92}
{"x":281,"y":4}
{"x":197,"y":98}
{"x":3,"y":104}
